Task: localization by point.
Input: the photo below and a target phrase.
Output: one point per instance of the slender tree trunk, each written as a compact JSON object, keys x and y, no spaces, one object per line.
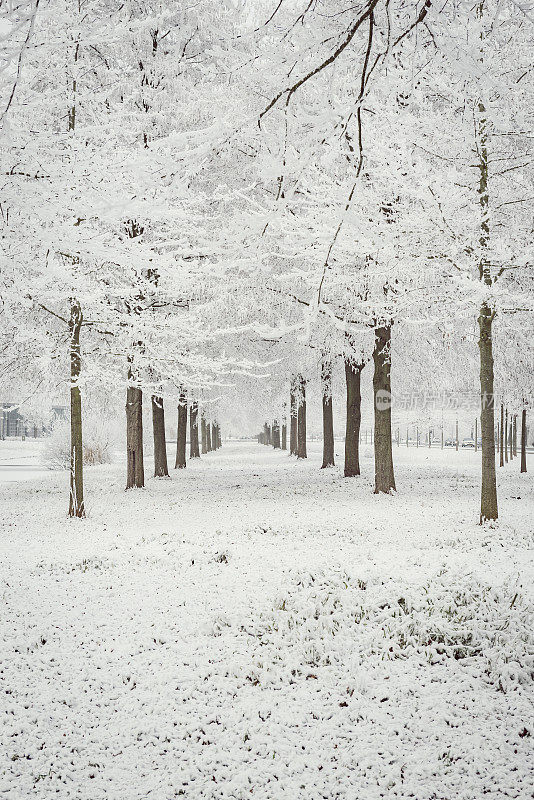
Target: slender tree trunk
{"x":476,"y":434}
{"x":203,"y":434}
{"x":384,"y":475}
{"x":276,"y":435}
{"x":213,"y":436}
{"x":352,"y":431}
{"x":208,"y":437}
{"x":135,"y":477}
{"x":194,"y":451}
{"x":506,"y":436}
{"x":501,"y":446}
{"x":284,"y":436}
{"x":328,"y":418}
{"x":160,"y":446}
{"x":488,"y":494}
{"x":292,"y":419}
{"x":181,"y":433}
{"x":76,"y":501}
{"x":524,"y":440}
{"x":511,"y":438}
{"x":514,"y":434}
{"x":301,"y":420}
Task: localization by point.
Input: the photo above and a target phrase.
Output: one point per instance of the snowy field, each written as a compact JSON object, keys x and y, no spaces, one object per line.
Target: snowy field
{"x":255,"y":627}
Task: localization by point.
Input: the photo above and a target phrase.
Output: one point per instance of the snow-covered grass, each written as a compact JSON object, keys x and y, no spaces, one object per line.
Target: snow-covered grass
{"x":255,"y":627}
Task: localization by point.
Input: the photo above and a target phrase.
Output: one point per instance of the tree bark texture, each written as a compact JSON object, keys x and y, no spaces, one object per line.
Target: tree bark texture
{"x":524,"y":440}
{"x":328,"y":419}
{"x":301,"y":420}
{"x":384,"y":474}
{"x":208,"y":437}
{"x":488,"y":493}
{"x":194,"y":450}
{"x":161,"y":469}
{"x":76,"y":501}
{"x":181,"y":434}
{"x":203,"y":434}
{"x":292,"y":420}
{"x":276,"y":435}
{"x":352,"y":429}
{"x":135,"y":474}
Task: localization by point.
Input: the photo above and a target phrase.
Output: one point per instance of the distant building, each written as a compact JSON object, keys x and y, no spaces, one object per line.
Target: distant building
{"x":13,"y":423}
{"x":11,"y":420}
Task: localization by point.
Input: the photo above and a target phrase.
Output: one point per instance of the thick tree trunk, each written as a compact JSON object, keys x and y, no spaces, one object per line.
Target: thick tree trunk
{"x":284,"y":436}
{"x":203,"y":434}
{"x":524,"y":440}
{"x":328,"y":419}
{"x":194,"y":451}
{"x":135,"y":474}
{"x":384,"y":475}
{"x":160,"y":446}
{"x":76,"y":501}
{"x":181,"y":434}
{"x":488,"y":495}
{"x":208,"y":437}
{"x":276,"y":435}
{"x":292,"y":419}
{"x":352,"y":430}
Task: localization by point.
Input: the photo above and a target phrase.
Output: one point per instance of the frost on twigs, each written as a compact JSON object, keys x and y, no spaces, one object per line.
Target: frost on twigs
{"x":330,"y":621}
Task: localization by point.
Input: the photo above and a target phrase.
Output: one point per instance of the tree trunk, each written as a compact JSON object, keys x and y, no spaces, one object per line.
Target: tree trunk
{"x":76,"y":502}
{"x":501,"y":439}
{"x":276,"y":435}
{"x":328,"y":419}
{"x":292,"y":419}
{"x":284,"y":436}
{"x":511,"y":438}
{"x":135,"y":474}
{"x":213,"y":436}
{"x":160,"y":446}
{"x":208,"y":437}
{"x":488,"y":494}
{"x":524,"y":440}
{"x":194,"y":451}
{"x":352,"y":431}
{"x":203,"y":434}
{"x":384,"y":475}
{"x":181,"y":434}
{"x":301,"y":420}
{"x":506,"y":436}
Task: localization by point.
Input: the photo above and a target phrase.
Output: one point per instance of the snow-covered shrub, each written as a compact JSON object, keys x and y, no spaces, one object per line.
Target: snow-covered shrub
{"x":98,"y":444}
{"x":334,"y":620}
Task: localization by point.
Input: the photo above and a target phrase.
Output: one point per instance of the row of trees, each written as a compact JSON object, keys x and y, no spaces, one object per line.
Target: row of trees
{"x":505,"y":433}
{"x":227,"y":199}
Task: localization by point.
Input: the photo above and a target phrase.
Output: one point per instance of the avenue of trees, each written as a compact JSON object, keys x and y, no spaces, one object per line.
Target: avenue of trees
{"x":268,"y":198}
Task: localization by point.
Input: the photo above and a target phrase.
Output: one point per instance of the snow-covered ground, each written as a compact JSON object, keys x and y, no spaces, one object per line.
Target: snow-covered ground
{"x":254,"y":627}
{"x":20,"y":460}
